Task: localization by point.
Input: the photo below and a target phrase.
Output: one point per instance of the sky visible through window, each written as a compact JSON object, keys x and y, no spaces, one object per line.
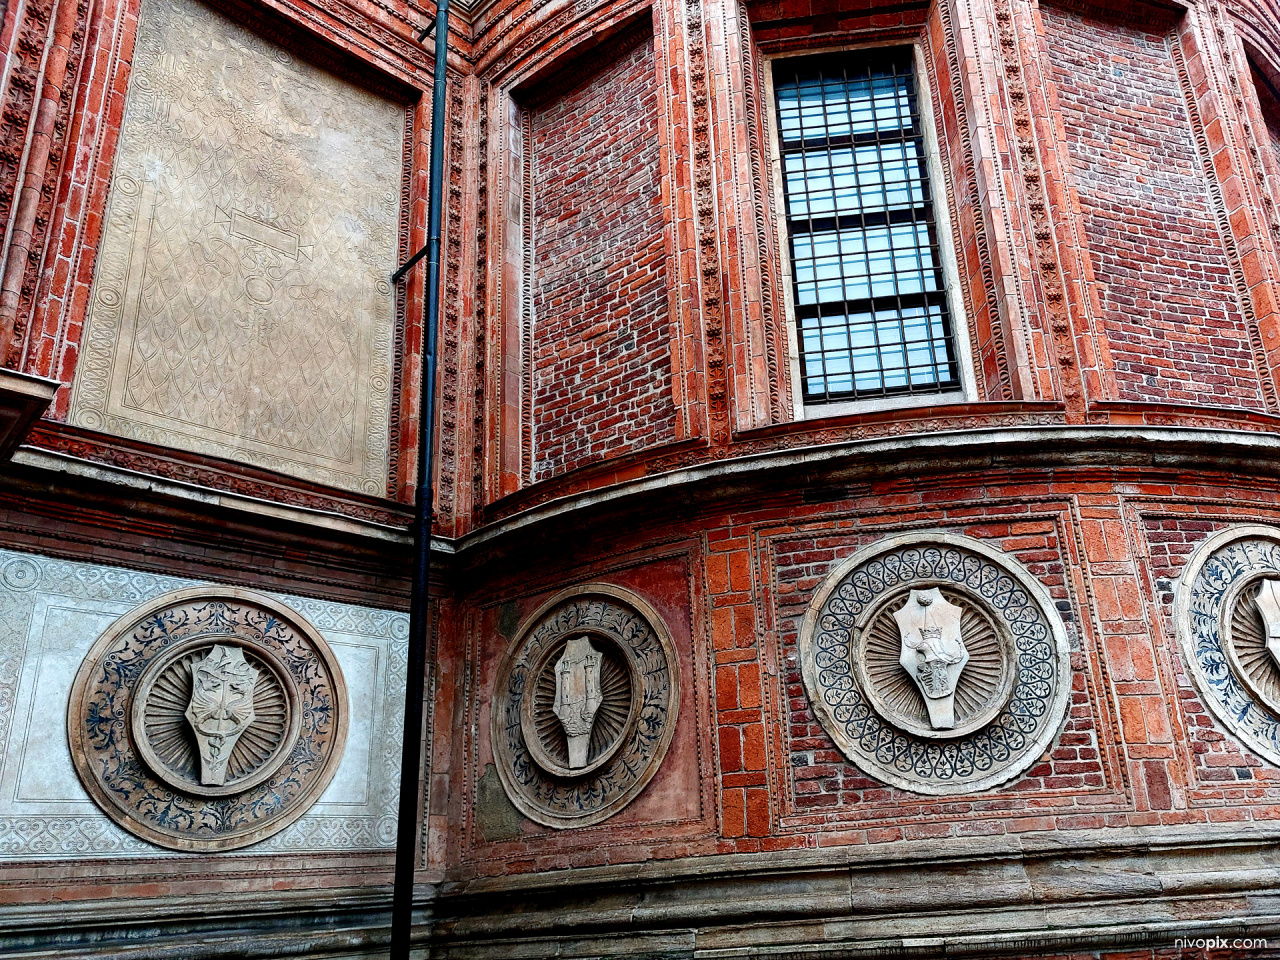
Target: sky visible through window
{"x":869,"y":296}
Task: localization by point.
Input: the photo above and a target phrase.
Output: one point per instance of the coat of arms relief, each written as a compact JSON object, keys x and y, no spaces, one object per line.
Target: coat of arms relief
{"x":933,"y":652}
{"x":585,"y":706}
{"x":936,"y":663}
{"x":208,"y":719}
{"x":578,"y":696}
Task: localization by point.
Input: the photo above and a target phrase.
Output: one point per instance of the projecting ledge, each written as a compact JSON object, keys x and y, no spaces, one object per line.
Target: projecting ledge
{"x":23,"y":398}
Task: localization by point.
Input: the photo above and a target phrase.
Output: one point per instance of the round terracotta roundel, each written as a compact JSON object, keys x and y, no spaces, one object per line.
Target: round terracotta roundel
{"x":936,"y":663}
{"x":208,"y":719}
{"x":585,"y":706}
{"x":1227,"y":615}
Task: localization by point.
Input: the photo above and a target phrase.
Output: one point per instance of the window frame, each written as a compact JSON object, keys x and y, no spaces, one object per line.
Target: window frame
{"x":940,"y":197}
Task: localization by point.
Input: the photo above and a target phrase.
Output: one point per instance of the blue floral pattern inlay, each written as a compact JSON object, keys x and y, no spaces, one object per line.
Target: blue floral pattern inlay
{"x":1226,"y":694}
{"x":110,"y":756}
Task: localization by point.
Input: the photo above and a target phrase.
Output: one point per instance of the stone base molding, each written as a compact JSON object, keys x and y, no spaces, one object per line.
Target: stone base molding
{"x":982,"y":897}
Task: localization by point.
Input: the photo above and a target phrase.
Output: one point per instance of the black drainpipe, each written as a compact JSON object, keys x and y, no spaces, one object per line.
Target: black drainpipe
{"x":411,"y":752}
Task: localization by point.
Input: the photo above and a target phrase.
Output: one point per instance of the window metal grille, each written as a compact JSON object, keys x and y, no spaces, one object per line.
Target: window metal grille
{"x":870,"y":300}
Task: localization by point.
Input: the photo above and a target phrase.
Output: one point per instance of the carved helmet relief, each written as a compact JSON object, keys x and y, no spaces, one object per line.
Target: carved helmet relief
{"x":936,"y":663}
{"x":208,"y":719}
{"x":585,"y":706}
{"x":1227,"y":614}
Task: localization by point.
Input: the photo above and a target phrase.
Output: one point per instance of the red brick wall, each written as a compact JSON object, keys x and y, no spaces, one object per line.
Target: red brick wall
{"x":601,"y":354}
{"x":826,"y":783}
{"x":1225,"y":771}
{"x":1171,"y":311}
{"x":1137,"y":749}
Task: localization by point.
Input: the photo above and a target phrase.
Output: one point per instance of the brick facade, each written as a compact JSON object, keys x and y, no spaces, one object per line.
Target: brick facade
{"x":617,"y":408}
{"x":1172,"y":314}
{"x":599,"y":314}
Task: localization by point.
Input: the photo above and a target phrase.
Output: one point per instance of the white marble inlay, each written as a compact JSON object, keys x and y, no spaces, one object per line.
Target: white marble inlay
{"x":52,"y":611}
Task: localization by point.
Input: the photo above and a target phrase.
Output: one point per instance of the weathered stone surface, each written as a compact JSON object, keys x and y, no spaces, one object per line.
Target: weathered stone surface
{"x":53,"y":612}
{"x":635,"y":688}
{"x":1113,"y":890}
{"x":1011,"y":702}
{"x":241,"y":306}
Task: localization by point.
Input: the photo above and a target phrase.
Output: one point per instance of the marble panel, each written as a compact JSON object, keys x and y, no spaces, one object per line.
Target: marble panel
{"x":52,"y":611}
{"x":240,"y":305}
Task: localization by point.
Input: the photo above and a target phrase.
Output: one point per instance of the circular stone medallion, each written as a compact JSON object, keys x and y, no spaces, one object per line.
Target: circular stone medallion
{"x":207,"y":719}
{"x":983,"y":688}
{"x":167,"y":730}
{"x":544,"y":733}
{"x":585,"y":706}
{"x":1227,"y":605}
{"x":936,"y":663}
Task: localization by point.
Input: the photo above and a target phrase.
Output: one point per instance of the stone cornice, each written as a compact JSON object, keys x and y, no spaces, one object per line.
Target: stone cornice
{"x":930,"y":453}
{"x":817,"y":465}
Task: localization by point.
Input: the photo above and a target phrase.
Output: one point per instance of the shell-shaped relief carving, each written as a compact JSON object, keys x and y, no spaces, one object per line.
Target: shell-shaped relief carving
{"x":585,"y":705}
{"x":1227,"y":616}
{"x":936,"y":663}
{"x":207,"y":719}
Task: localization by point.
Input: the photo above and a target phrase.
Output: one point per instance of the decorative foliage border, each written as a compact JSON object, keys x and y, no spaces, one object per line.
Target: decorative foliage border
{"x":1218,"y":564}
{"x":637,"y":629}
{"x":102,"y":747}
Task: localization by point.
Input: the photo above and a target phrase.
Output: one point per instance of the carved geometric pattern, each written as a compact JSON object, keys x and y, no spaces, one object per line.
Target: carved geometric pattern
{"x":134,"y":744}
{"x":1011,"y":698}
{"x":240,"y":305}
{"x":1222,"y":635}
{"x":633,"y":726}
{"x":983,"y":688}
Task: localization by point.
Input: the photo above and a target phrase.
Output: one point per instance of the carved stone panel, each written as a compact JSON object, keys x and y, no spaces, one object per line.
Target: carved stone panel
{"x":585,"y":706}
{"x":240,"y":306}
{"x":936,"y":663}
{"x":933,"y":652}
{"x":207,"y":719}
{"x":1226,"y":614}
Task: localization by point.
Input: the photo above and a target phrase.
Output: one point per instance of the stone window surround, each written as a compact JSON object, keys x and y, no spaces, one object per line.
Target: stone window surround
{"x":968,"y":391}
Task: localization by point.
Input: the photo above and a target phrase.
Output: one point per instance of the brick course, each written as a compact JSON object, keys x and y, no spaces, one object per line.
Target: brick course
{"x":1172,"y":314}
{"x":628,"y":256}
{"x":601,"y":343}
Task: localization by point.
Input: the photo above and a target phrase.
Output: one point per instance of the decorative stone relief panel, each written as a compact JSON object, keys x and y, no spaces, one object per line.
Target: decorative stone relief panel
{"x":241,"y":305}
{"x":52,"y":612}
{"x":936,"y":663}
{"x":208,"y":719}
{"x":585,"y":706}
{"x":1227,"y":615}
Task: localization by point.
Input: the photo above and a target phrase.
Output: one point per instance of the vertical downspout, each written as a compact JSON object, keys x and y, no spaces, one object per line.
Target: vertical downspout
{"x":411,"y":752}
